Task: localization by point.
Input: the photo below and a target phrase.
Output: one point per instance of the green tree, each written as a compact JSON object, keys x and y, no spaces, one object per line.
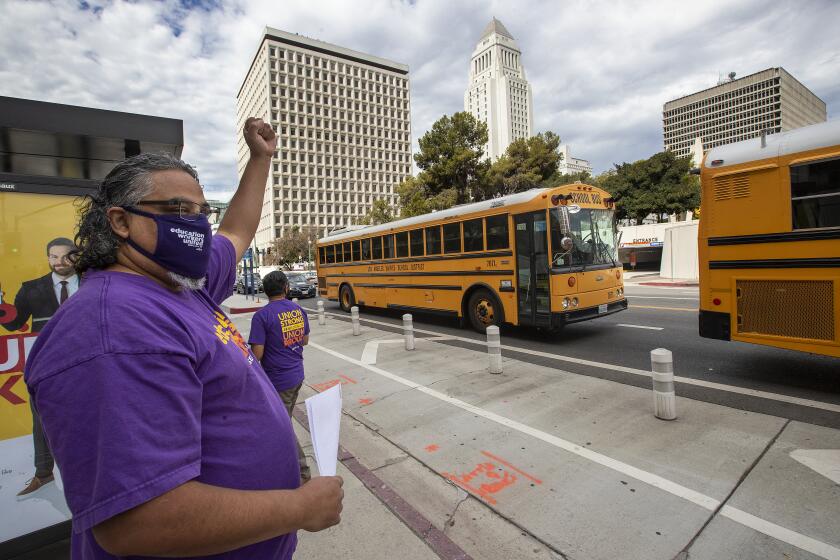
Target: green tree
{"x":293,"y":246}
{"x":526,"y":164}
{"x":658,"y":185}
{"x":416,"y":199}
{"x":380,"y":213}
{"x":558,"y":178}
{"x":452,"y":157}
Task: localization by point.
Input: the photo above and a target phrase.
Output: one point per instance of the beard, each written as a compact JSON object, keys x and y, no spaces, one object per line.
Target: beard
{"x":64,"y":272}
{"x":185,"y":282}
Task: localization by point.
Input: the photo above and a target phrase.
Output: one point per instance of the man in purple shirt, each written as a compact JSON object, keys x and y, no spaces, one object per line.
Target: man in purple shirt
{"x":279,"y":331}
{"x":170,"y":439}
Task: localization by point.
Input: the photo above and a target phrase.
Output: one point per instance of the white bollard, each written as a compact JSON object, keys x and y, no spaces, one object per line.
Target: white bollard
{"x":664,"y":397}
{"x":494,"y":349}
{"x":408,"y":331}
{"x":322,"y":319}
{"x":354,"y":315}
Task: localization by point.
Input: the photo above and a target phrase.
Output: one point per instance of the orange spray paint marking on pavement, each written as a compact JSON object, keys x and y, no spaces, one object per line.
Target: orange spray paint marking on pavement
{"x":508,"y":465}
{"x":432,"y":448}
{"x":321,"y":387}
{"x":365,"y":401}
{"x":491,"y":477}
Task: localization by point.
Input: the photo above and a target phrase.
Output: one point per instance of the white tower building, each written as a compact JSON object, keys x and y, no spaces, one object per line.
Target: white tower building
{"x":498,"y":93}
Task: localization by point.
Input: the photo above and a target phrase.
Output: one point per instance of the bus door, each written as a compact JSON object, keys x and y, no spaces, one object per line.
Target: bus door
{"x":533,"y":296}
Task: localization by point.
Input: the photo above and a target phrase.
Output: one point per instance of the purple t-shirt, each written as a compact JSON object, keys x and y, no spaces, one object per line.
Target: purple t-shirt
{"x":280,"y":326}
{"x":141,"y":389}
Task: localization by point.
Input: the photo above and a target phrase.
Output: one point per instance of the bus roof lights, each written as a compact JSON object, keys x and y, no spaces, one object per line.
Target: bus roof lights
{"x":717,"y":162}
{"x":555,"y":199}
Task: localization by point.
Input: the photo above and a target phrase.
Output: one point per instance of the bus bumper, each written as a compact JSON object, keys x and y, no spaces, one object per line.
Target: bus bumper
{"x":566,"y":317}
{"x":714,"y":324}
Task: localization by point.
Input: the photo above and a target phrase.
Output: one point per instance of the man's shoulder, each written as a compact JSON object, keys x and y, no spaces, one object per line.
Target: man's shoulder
{"x":36,"y":283}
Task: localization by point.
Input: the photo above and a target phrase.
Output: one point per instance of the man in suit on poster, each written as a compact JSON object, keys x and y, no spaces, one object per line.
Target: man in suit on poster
{"x":39,"y":299}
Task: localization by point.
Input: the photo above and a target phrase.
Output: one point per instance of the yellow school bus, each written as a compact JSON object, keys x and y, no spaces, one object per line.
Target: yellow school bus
{"x":545,"y":257}
{"x":770,"y":241}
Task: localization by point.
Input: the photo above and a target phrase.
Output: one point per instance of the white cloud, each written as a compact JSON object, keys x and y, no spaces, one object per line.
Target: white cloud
{"x":600,"y":71}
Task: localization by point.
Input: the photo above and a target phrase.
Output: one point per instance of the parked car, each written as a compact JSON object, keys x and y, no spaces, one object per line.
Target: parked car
{"x":312,"y":277}
{"x":253,"y":283}
{"x":299,"y":286}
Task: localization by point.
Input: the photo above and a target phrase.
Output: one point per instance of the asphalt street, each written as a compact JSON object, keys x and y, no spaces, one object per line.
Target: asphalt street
{"x":665,"y":317}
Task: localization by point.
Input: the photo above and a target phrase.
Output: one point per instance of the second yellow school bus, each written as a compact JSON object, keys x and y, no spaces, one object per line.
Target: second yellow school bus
{"x":545,"y":257}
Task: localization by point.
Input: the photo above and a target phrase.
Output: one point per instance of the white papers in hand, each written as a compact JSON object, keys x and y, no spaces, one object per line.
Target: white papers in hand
{"x":324,"y":413}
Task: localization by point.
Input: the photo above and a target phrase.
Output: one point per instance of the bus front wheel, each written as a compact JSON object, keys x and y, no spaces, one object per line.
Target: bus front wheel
{"x":483,"y":310}
{"x":346,"y":299}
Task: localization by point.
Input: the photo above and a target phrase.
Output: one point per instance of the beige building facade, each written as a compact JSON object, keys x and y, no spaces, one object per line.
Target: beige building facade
{"x":738,"y":109}
{"x":498,"y":93}
{"x":344,"y":132}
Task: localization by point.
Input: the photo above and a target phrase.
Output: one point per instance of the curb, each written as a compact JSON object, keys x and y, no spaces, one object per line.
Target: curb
{"x":235,"y":310}
{"x":675,"y":284}
{"x":444,"y":547}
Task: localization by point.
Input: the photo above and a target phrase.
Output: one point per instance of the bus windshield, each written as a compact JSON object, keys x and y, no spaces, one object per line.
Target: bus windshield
{"x":592,"y":234}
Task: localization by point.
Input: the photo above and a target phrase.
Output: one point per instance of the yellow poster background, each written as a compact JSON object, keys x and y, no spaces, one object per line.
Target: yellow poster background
{"x":27,"y":223}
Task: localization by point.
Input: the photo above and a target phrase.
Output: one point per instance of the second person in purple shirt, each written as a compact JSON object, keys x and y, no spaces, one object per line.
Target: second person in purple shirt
{"x":279,"y":331}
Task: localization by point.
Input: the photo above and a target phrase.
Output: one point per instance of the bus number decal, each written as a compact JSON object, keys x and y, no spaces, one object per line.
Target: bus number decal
{"x":491,"y":262}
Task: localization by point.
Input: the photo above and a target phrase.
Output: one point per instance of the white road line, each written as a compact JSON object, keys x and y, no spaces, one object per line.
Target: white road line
{"x":639,"y":327}
{"x":686,"y":380}
{"x":707,"y":502}
{"x":372,"y":347}
{"x":778,"y":532}
{"x":661,"y":297}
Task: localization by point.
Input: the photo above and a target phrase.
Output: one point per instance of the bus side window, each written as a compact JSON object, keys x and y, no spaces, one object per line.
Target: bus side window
{"x":339,"y":255}
{"x":388,"y":246}
{"x":330,"y":254}
{"x":433,"y":240}
{"x":452,"y":238}
{"x":473,"y":236}
{"x":366,"y":249}
{"x":815,"y":194}
{"x":357,"y":250}
{"x":415,"y":237}
{"x":322,"y":251}
{"x":377,"y":248}
{"x":347,"y":253}
{"x":497,"y":232}
{"x":402,"y":244}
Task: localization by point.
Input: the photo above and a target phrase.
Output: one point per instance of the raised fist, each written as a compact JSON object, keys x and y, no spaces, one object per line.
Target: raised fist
{"x":260,"y":137}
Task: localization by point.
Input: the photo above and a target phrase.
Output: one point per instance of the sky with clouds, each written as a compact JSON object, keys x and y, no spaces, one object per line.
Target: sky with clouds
{"x":600,"y":71}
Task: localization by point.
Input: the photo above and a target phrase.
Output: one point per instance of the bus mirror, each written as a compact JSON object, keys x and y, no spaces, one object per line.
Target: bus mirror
{"x":694,"y":171}
{"x":567,"y":243}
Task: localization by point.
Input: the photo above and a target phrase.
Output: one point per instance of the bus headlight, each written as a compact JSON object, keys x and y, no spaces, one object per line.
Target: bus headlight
{"x":574,"y":302}
{"x":565,"y":303}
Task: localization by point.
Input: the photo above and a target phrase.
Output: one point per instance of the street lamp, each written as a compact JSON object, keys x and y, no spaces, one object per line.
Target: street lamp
{"x":309,"y":262}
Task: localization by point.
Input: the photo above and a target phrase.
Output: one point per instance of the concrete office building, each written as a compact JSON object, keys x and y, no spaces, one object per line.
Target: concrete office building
{"x":569,"y":165}
{"x":498,"y":93}
{"x":738,"y":109}
{"x":343,"y":119}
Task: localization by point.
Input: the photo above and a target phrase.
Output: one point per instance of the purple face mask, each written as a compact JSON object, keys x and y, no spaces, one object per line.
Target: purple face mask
{"x":183,"y":246}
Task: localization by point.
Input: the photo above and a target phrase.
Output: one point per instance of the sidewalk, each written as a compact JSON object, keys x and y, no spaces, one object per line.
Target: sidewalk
{"x":652,"y":278}
{"x":541,"y":463}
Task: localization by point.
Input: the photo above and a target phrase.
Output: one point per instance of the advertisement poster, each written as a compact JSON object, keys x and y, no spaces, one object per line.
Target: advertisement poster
{"x":35,"y":278}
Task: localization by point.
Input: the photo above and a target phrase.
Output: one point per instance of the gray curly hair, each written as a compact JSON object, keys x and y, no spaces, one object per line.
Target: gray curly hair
{"x":125,"y":185}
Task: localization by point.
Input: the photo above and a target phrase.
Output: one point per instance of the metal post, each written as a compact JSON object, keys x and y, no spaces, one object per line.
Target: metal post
{"x":408,"y":331}
{"x":322,"y":319}
{"x":664,"y":397}
{"x":354,"y":315}
{"x":494,"y":349}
